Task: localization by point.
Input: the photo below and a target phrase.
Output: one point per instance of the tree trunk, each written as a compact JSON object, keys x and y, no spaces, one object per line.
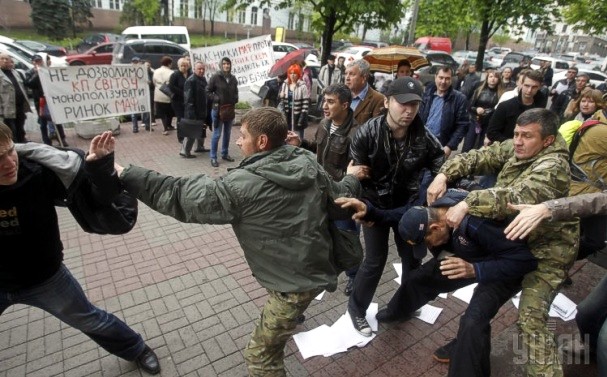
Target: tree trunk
{"x":467,"y":40}
{"x":212,"y":27}
{"x":482,"y":44}
{"x":327,"y":36}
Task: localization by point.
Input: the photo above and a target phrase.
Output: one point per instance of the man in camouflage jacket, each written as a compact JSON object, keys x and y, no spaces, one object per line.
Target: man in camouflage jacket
{"x":532,"y":168}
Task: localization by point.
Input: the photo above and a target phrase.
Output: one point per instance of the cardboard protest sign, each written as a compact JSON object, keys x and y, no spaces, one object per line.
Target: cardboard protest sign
{"x":251,"y":59}
{"x":95,"y":91}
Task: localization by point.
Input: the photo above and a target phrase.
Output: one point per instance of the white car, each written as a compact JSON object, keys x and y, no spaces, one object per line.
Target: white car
{"x":558,"y":65}
{"x":281,"y":49}
{"x":353,"y":53}
{"x":10,"y":44}
{"x":596,"y":77}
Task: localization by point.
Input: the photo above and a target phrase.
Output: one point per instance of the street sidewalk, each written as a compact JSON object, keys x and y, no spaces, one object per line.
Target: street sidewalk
{"x":188,"y":290}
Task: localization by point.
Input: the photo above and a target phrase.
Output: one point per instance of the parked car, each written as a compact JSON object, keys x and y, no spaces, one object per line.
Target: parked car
{"x":281,"y":49}
{"x":101,"y":54}
{"x":353,"y":53}
{"x":499,"y":50}
{"x":10,"y":44}
{"x":433,"y":43}
{"x":513,"y":59}
{"x":374,"y":44}
{"x":93,"y":40}
{"x":43,"y":47}
{"x":146,"y":49}
{"x":307,"y":46}
{"x":558,"y":65}
{"x":340,"y":45}
{"x":315,"y":93}
{"x":436,"y":59}
{"x":596,"y":77}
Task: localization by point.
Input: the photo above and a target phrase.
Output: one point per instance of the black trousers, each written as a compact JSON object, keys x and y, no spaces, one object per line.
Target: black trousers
{"x":372,"y":267}
{"x":17,"y":126}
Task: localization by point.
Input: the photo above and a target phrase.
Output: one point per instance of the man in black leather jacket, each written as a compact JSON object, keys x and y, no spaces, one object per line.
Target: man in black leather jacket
{"x":396,"y":147}
{"x":33,"y":178}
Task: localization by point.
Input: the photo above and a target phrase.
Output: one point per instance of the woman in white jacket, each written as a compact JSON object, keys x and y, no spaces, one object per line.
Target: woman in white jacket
{"x":163,"y":102}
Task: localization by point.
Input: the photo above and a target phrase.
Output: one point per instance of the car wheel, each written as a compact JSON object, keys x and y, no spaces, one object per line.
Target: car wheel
{"x":77,"y":63}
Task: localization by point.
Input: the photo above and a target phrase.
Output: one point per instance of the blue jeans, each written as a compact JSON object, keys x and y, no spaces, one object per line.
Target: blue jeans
{"x":62,"y":296}
{"x":218,"y":125}
{"x":590,"y":318}
{"x":145,"y":119}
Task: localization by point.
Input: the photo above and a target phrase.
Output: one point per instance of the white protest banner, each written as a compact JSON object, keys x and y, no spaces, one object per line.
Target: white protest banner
{"x":95,"y":91}
{"x":251,"y":59}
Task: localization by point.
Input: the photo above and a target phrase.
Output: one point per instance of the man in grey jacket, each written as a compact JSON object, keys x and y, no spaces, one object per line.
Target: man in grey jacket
{"x":13,"y":98}
{"x":277,"y":201}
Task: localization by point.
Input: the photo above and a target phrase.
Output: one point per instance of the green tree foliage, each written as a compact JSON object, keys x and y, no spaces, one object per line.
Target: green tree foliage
{"x":339,"y":15}
{"x":590,"y":15}
{"x":488,"y":16}
{"x":81,"y":13}
{"x":50,"y":17}
{"x":140,"y":12}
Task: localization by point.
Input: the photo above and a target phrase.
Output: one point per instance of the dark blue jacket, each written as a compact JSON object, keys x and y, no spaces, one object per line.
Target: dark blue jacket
{"x":478,"y":241}
{"x":455,"y":118}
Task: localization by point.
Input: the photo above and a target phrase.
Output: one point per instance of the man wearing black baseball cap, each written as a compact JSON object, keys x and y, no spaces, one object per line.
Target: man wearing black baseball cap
{"x":477,"y":251}
{"x":397,"y":148}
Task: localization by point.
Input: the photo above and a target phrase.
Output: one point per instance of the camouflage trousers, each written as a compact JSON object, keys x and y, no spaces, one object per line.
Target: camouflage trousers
{"x":264,"y":354}
{"x":539,"y":348}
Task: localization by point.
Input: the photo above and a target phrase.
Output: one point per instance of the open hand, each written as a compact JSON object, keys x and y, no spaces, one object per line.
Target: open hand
{"x":101,"y":146}
{"x":457,"y":268}
{"x":527,"y":220}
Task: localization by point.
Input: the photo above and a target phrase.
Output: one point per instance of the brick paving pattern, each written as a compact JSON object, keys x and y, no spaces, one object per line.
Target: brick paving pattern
{"x":188,"y":290}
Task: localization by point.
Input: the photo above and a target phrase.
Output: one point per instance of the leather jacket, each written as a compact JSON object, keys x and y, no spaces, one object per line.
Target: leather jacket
{"x":333,"y":151}
{"x":395,"y":172}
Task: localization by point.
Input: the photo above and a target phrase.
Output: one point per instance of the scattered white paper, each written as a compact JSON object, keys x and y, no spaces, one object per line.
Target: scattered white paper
{"x":443,"y":295}
{"x":465,"y":293}
{"x":328,"y":341}
{"x":399,"y":271}
{"x":319,"y":297}
{"x":429,"y":313}
{"x":562,"y":307}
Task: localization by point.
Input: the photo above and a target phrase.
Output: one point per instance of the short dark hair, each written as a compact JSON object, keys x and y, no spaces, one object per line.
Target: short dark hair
{"x":535,"y":75}
{"x":6,"y":134}
{"x":547,"y":119}
{"x":267,"y":121}
{"x":444,"y":68}
{"x":403,"y":63}
{"x":584,"y":75}
{"x":166,"y":61}
{"x":341,"y":91}
{"x":574,"y":68}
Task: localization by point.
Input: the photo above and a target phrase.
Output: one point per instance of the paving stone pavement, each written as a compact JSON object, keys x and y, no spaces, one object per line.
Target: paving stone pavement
{"x":188,"y":290}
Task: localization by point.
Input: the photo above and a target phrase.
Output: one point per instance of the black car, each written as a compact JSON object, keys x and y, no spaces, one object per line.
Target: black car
{"x":94,"y":40}
{"x":43,"y":47}
{"x":146,"y":49}
{"x":436,"y":59}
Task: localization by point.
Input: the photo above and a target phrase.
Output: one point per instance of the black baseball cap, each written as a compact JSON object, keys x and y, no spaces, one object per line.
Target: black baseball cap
{"x":405,"y":89}
{"x":413,"y":226}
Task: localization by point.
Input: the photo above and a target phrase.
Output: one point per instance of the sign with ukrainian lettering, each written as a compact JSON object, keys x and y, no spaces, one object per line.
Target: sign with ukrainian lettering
{"x":95,"y":91}
{"x":251,"y":59}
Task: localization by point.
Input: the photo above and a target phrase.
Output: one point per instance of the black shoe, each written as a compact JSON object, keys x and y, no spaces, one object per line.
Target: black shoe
{"x":349,"y":287}
{"x":361,"y":325}
{"x":189,"y":155}
{"x":443,"y":354}
{"x":568,"y":282}
{"x":300,"y":319}
{"x":65,"y":144}
{"x":148,"y":361}
{"x":214,"y":163}
{"x":201,"y":150}
{"x":171,"y":128}
{"x":386,"y":316}
{"x":227,"y":158}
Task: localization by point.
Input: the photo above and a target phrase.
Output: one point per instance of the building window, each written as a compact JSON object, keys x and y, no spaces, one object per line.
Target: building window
{"x":564,"y":30}
{"x":291,"y":21}
{"x":183,"y":8}
{"x":254,"y":16}
{"x":115,"y":4}
{"x":300,"y":22}
{"x":230,"y":15}
{"x":242,"y":17}
{"x":198,"y":10}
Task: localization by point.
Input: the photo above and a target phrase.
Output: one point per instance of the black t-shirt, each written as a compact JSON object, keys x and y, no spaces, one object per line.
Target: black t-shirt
{"x":31,"y":249}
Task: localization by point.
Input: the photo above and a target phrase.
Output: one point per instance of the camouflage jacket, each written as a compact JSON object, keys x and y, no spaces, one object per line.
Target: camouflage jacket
{"x":535,"y":180}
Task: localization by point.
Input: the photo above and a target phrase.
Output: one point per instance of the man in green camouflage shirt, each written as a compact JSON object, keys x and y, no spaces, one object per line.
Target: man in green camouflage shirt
{"x":533,"y":167}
